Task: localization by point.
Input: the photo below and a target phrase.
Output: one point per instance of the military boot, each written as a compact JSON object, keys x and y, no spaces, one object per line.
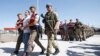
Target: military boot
{"x":56,"y":51}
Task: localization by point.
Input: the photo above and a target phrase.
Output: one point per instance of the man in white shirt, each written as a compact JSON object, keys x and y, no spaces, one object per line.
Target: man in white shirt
{"x":26,"y":30}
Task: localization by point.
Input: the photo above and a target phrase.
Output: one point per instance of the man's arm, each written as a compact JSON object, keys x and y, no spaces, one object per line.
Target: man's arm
{"x":18,"y":25}
{"x":57,"y":23}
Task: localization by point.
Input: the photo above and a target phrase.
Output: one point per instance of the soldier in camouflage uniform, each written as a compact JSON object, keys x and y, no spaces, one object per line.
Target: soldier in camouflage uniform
{"x":83,"y":33}
{"x":71,"y":33}
{"x":78,"y":30}
{"x":50,"y":20}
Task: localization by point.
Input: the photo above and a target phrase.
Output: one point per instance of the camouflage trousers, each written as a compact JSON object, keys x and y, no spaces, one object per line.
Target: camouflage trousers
{"x":71,"y":34}
{"x":83,"y":34}
{"x":51,"y":42}
{"x":78,"y":33}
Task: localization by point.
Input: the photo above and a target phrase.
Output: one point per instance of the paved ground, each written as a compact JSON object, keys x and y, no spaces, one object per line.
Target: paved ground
{"x":90,"y":47}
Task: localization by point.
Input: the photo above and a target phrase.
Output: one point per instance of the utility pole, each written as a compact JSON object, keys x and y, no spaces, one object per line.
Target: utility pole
{"x":37,"y":5}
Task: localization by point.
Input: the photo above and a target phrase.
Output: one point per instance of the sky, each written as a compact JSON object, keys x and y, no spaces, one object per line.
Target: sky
{"x":88,"y":11}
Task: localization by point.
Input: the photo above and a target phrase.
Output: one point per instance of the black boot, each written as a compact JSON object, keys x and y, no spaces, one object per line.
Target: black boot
{"x":56,"y":51}
{"x":16,"y":52}
{"x":42,"y":52}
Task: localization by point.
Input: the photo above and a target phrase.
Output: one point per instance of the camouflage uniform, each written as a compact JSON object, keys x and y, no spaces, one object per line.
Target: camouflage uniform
{"x":78,"y":31}
{"x":50,"y":22}
{"x":71,"y":31}
{"x":83,"y":33}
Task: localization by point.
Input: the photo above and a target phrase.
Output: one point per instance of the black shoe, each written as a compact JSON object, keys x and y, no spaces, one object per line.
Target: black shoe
{"x":42,"y":52}
{"x":15,"y":52}
{"x":56,"y":51}
{"x":27,"y":54}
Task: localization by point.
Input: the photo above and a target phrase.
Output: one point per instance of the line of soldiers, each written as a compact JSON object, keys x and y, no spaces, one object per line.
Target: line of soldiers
{"x":28,"y":28}
{"x":73,"y":31}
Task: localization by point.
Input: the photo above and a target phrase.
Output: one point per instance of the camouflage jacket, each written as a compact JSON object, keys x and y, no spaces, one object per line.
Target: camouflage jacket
{"x":78,"y":25}
{"x":51,"y":19}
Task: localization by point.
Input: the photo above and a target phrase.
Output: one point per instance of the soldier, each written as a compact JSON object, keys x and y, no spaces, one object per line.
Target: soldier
{"x":50,"y":21}
{"x":61,"y":27}
{"x":83,"y":33}
{"x":71,"y":30}
{"x":65,"y":31}
{"x":33,"y":25}
{"x":19,"y":25}
{"x":78,"y":30}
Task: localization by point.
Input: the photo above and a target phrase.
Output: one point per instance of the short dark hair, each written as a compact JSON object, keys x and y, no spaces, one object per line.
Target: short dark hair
{"x":27,"y":11}
{"x":48,"y":5}
{"x":70,"y":19}
{"x":77,"y":19}
{"x":32,"y":7}
{"x":19,"y":14}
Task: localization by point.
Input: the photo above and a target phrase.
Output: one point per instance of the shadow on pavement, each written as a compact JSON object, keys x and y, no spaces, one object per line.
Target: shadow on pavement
{"x":73,"y":53}
{"x":88,"y":49}
{"x":7,"y":50}
{"x":11,"y":50}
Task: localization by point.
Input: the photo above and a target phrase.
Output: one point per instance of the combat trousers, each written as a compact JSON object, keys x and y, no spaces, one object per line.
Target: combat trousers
{"x":71,"y":34}
{"x":51,"y":42}
{"x":78,"y":34}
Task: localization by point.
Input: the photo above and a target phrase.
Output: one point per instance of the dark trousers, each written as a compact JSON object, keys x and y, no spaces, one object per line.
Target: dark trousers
{"x":25,"y":40}
{"x":19,"y":40}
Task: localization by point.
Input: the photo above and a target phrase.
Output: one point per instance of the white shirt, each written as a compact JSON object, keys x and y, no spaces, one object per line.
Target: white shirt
{"x":37,"y":19}
{"x":25,"y":22}
{"x":65,"y":26}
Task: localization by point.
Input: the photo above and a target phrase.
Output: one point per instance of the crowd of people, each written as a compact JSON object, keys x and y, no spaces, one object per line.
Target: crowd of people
{"x":28,"y":29}
{"x":72,"y":30}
